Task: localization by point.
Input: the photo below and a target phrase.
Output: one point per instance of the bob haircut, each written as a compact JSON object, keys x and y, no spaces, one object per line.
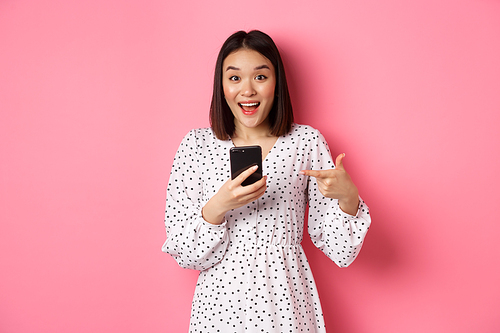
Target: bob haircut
{"x":281,"y":114}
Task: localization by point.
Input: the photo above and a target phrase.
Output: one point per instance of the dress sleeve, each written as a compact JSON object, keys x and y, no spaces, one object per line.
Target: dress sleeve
{"x":191,"y":241}
{"x":338,"y":234}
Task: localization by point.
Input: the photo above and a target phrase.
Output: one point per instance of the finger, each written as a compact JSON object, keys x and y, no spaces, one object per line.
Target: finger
{"x":339,"y":161}
{"x":245,"y":174}
{"x":261,"y":189}
{"x":255,"y":190}
{"x":258,"y":185}
{"x":314,"y":173}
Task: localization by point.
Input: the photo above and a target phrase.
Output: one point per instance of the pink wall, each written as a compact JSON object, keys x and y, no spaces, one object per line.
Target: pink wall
{"x":95,"y":97}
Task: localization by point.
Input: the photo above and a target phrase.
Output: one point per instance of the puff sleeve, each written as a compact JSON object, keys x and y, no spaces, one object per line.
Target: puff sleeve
{"x":191,"y":241}
{"x":339,"y":235}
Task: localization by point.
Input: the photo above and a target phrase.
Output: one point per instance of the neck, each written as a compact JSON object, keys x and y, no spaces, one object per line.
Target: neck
{"x":250,"y":134}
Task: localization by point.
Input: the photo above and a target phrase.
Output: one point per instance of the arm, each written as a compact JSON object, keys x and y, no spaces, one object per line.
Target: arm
{"x":192,"y":242}
{"x":338,"y":218}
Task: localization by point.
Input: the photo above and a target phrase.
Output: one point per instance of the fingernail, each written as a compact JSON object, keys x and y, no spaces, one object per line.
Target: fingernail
{"x":301,"y":172}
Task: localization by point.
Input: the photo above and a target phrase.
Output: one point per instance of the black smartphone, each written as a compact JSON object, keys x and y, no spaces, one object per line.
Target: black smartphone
{"x":243,"y":158}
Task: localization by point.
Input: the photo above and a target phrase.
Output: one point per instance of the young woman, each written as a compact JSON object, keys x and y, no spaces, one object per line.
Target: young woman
{"x":245,"y":240}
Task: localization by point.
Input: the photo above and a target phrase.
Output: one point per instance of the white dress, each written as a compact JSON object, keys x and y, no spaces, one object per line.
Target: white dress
{"x":254,"y":275}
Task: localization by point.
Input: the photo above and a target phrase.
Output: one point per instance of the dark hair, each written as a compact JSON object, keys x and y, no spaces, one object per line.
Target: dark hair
{"x":281,"y":115}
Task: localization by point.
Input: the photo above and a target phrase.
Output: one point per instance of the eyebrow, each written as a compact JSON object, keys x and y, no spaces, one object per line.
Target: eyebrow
{"x":256,"y":68}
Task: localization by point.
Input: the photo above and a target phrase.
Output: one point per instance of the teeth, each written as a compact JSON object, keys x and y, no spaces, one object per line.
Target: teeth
{"x":249,"y":104}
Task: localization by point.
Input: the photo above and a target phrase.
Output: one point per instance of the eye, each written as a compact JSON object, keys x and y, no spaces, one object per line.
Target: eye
{"x":260,"y":77}
{"x":234,"y":78}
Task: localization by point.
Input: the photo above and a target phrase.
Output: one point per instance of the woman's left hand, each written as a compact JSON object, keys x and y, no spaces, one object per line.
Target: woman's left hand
{"x":337,"y":184}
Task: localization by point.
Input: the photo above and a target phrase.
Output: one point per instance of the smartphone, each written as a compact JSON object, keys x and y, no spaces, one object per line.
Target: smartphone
{"x":243,"y":158}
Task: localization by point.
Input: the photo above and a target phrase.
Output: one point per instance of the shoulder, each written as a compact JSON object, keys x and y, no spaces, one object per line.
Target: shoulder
{"x":203,"y":140}
{"x":199,"y":135}
{"x":307,"y":137}
{"x":305,"y":132}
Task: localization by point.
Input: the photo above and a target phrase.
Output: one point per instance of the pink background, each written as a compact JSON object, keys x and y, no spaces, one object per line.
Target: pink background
{"x":95,"y":97}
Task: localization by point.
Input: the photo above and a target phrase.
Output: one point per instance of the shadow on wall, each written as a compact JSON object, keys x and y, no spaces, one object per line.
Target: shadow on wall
{"x":312,"y":82}
{"x":306,"y":71}
{"x":313,"y":85}
{"x":379,"y":262}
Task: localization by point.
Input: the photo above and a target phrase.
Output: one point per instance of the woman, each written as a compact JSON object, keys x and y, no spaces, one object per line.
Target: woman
{"x":245,"y":240}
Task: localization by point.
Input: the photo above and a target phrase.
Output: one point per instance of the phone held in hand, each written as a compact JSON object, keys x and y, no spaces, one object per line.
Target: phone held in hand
{"x":243,"y":158}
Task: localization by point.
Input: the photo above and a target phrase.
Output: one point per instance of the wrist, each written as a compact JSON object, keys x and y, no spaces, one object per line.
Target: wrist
{"x":350,"y":204}
{"x":211,"y":214}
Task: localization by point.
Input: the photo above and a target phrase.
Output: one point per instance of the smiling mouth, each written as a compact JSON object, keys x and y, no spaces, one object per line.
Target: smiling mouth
{"x":249,"y":107}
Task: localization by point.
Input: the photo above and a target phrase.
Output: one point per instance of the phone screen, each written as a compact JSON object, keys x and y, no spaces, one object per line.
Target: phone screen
{"x":243,"y":158}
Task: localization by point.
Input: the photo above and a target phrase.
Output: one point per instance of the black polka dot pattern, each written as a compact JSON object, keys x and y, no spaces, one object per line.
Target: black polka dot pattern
{"x":254,"y":275}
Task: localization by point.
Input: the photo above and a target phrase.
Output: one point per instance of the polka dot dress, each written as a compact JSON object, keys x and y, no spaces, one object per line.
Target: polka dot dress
{"x":254,"y":275}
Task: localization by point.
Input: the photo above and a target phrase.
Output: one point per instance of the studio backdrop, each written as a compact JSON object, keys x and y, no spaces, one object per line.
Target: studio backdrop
{"x":95,"y":97}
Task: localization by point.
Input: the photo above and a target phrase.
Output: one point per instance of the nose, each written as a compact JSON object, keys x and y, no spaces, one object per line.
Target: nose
{"x":247,"y":88}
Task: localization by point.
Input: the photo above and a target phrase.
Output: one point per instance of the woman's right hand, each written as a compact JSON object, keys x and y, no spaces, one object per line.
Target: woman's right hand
{"x":232,"y":195}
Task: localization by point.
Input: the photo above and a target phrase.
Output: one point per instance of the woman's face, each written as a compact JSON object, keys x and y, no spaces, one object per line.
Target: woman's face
{"x":248,"y":81}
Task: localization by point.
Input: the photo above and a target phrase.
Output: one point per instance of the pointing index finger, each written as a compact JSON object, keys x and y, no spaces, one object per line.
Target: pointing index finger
{"x":312,"y":173}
